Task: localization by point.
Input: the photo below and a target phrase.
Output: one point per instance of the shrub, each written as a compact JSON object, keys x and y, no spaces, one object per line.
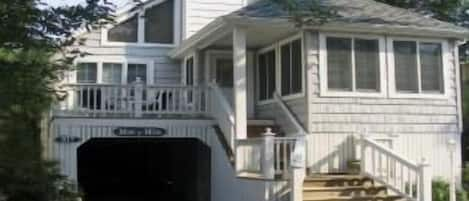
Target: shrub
{"x":440,"y":192}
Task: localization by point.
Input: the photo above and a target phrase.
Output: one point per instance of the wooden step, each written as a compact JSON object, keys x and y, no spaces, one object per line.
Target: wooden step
{"x":354,"y":198}
{"x":337,"y":181}
{"x":344,"y":191}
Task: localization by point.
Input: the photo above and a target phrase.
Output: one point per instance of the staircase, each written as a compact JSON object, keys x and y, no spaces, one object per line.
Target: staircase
{"x":344,"y":187}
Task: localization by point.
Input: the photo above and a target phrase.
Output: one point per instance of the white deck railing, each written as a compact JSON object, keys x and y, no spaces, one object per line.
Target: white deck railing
{"x":268,"y":156}
{"x":410,"y":180}
{"x":134,"y":99}
{"x":222,"y":112}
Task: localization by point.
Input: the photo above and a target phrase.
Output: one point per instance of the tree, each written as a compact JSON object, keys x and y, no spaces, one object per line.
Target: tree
{"x":32,"y":35}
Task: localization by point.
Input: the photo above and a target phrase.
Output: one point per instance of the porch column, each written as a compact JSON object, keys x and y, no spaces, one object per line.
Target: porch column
{"x":240,"y":82}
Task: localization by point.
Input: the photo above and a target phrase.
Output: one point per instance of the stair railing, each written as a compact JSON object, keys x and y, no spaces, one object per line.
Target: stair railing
{"x":406,"y":178}
{"x":222,"y":112}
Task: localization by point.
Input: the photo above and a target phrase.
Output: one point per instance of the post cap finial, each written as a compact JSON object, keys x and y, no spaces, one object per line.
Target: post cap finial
{"x":268,"y":132}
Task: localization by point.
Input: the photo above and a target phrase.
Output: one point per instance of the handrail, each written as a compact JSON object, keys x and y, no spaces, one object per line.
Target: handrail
{"x":406,"y":178}
{"x":223,"y":113}
{"x":291,"y":117}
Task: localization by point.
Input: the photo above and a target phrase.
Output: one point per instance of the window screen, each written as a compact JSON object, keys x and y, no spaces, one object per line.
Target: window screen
{"x":126,"y":31}
{"x":266,"y":75}
{"x":112,"y":73}
{"x":291,"y":65}
{"x":86,"y":73}
{"x":367,"y":64}
{"x":405,"y":62}
{"x":190,"y":71}
{"x":159,"y":23}
{"x":136,"y":70}
{"x":431,"y":67}
{"x":339,"y":63}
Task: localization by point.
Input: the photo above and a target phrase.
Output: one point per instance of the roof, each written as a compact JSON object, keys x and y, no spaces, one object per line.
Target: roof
{"x":354,"y":11}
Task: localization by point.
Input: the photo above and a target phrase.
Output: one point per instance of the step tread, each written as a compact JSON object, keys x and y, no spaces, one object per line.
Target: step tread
{"x":338,"y":188}
{"x":326,"y":198}
{"x":335,"y":177}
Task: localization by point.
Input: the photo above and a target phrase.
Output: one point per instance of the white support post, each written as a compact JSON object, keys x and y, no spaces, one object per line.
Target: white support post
{"x":297,"y":179}
{"x":240,"y":82}
{"x":452,"y":180}
{"x":425,"y":181}
{"x":362,"y":154}
{"x":268,"y":169}
{"x":138,"y":90}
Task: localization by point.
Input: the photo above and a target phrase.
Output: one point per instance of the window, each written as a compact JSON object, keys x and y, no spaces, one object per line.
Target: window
{"x":190,"y":71}
{"x":418,"y":67}
{"x":224,"y":70}
{"x":266,"y":78}
{"x":112,"y":73}
{"x":126,"y":31}
{"x":159,"y":23}
{"x":135,"y":71}
{"x":353,"y":64}
{"x":291,"y":68}
{"x":86,"y":73}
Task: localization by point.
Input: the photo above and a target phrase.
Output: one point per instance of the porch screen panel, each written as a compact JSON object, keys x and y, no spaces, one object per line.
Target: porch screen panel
{"x":367,"y":65}
{"x":339,"y":63}
{"x":296,"y":75}
{"x":405,"y":58}
{"x":159,"y":23}
{"x":87,"y":73}
{"x":136,"y":70}
{"x":431,"y":67}
{"x":126,"y":31}
{"x":266,"y":75}
{"x":190,"y":71}
{"x":112,"y":73}
{"x":286,"y":69}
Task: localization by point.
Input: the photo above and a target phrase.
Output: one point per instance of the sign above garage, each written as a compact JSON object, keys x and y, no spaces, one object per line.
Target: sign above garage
{"x":139,"y":131}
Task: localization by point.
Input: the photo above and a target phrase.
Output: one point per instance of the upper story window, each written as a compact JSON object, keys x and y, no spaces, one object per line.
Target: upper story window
{"x":266,"y":71}
{"x":353,"y":65}
{"x":417,"y":67}
{"x":87,"y":72}
{"x":155,"y":24}
{"x":112,"y":73}
{"x":291,"y":68}
{"x":159,"y":23}
{"x":126,"y":31}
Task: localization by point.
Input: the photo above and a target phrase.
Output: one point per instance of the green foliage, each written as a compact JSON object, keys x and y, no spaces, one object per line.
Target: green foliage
{"x":440,"y":192}
{"x":31,"y":37}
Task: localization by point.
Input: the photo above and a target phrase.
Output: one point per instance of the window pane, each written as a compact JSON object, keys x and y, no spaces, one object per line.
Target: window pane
{"x":296,"y":78}
{"x":136,"y":70}
{"x":112,"y":73}
{"x":405,"y":59}
{"x":159,"y":23}
{"x":270,"y":74}
{"x":367,"y":64}
{"x":339,"y":63}
{"x":262,"y":77}
{"x":190,"y":71}
{"x":431,"y":67}
{"x":286,"y":69}
{"x":125,"y":31}
{"x":225,"y":72}
{"x":87,"y":72}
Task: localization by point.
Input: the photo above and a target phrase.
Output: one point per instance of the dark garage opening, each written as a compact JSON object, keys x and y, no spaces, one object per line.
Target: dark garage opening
{"x":131,"y":169}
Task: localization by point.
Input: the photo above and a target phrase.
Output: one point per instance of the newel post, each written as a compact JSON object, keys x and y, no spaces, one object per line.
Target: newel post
{"x":267,"y":163}
{"x":138,"y":90}
{"x":452,"y":180}
{"x":362,"y":154}
{"x":425,"y":181}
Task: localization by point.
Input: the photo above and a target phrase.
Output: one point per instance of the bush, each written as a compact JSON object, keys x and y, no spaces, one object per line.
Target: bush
{"x":440,"y":192}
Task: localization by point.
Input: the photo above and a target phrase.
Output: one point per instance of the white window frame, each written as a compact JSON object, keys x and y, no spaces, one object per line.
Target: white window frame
{"x":278,"y":76}
{"x":141,"y":27}
{"x":324,"y":90}
{"x":394,"y":93}
{"x":124,"y":61}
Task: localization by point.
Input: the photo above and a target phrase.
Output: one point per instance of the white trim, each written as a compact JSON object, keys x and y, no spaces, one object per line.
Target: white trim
{"x":124,"y":61}
{"x":192,"y":56}
{"x":393,"y":93}
{"x":141,"y":27}
{"x":325,"y":92}
{"x":457,"y":67}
